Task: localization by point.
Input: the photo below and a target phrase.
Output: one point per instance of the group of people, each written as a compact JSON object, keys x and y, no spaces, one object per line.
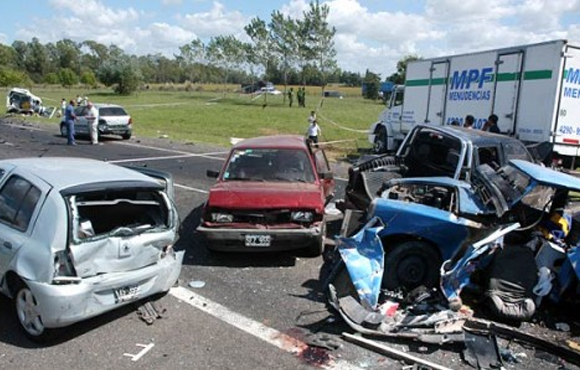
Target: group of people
{"x":300,"y":96}
{"x":70,"y":117}
{"x":489,"y":125}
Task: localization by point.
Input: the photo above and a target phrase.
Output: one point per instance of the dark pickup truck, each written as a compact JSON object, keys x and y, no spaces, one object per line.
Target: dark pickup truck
{"x":429,"y":151}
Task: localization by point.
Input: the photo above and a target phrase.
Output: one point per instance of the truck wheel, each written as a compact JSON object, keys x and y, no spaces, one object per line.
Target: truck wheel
{"x":380,"y":144}
{"x":411,"y":264}
{"x":28,"y":314}
{"x":63,"y":130}
{"x":126,"y":136}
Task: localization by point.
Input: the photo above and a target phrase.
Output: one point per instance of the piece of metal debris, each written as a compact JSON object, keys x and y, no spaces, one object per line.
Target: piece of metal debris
{"x":323,"y":341}
{"x":381,"y":348}
{"x":150,"y":311}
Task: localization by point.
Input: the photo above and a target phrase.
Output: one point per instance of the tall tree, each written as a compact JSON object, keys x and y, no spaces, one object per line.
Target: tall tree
{"x":283,"y":31}
{"x":399,"y":76}
{"x":260,"y":52}
{"x":226,"y":52}
{"x":69,"y":55}
{"x":193,"y":55}
{"x":319,"y":39}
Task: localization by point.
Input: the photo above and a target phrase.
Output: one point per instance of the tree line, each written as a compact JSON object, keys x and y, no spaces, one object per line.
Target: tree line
{"x":282,"y":50}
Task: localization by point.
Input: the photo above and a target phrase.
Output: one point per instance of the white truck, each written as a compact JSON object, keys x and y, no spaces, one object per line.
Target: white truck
{"x":533,"y":89}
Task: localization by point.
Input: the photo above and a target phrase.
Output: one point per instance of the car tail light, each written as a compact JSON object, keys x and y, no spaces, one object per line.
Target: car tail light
{"x":64,"y":272}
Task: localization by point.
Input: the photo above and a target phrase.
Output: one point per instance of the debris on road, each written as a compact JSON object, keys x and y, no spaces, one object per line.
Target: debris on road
{"x":196,"y":284}
{"x":524,"y":261}
{"x":151,"y":311}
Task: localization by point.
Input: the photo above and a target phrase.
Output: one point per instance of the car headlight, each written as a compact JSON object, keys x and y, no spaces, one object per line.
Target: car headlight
{"x":222,"y":217}
{"x":302,"y":216}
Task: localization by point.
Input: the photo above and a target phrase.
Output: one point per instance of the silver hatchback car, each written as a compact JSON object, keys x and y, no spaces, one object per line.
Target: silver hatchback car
{"x":113,"y":119}
{"x":80,"y":237}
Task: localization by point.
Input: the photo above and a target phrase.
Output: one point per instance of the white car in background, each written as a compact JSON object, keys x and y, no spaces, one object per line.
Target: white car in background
{"x":81,"y":237}
{"x":113,"y":119}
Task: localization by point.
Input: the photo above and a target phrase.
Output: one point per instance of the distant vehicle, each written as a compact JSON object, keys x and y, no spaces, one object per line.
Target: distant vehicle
{"x":333,"y":94}
{"x":113,"y":119}
{"x":533,"y":89}
{"x":23,"y":101}
{"x":269,"y":196}
{"x":270,"y":90}
{"x":80,"y":237}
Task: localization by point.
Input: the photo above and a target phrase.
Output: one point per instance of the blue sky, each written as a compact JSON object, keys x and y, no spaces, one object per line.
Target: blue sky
{"x":371,"y":34}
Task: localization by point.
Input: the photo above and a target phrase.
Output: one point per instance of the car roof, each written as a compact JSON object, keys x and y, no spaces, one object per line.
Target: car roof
{"x":477,"y":137}
{"x":105,"y":105}
{"x":546,"y":175}
{"x":66,"y":172}
{"x":274,"y":141}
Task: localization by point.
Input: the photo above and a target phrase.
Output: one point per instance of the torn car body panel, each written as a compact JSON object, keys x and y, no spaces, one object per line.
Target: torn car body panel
{"x":364,"y":259}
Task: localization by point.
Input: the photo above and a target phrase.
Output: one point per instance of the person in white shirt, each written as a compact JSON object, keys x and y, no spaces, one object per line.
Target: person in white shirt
{"x":93,"y":119}
{"x":313,"y":128}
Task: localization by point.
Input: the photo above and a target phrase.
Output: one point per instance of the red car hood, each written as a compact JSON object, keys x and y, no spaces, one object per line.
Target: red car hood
{"x":261,"y":195}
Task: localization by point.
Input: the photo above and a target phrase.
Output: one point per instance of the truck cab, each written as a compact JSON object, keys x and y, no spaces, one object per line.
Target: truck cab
{"x":386,"y":133}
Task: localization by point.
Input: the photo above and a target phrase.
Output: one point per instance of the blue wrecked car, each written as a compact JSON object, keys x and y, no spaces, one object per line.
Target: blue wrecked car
{"x":427,"y":220}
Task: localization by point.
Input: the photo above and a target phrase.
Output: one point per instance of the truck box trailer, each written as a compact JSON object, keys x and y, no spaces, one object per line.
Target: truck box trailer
{"x":533,"y":89}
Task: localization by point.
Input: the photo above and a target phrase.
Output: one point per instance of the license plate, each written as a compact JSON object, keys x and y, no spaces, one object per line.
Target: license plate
{"x":127,"y":293}
{"x":258,"y":240}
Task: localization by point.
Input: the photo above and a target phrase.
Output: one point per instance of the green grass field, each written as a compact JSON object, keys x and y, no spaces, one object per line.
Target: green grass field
{"x":208,"y":114}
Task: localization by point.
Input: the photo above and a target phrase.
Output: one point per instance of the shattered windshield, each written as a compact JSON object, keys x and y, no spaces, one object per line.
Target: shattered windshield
{"x":288,"y":165}
{"x":118,"y":213}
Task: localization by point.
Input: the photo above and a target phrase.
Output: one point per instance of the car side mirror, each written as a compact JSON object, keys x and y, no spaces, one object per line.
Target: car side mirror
{"x":325,"y":175}
{"x":212,"y":174}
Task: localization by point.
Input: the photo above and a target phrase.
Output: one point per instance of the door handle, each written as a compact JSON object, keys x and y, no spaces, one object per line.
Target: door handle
{"x":7,"y":245}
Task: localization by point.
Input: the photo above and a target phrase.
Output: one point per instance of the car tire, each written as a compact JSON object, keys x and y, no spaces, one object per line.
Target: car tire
{"x":28,"y":314}
{"x":63,"y":130}
{"x":380,"y":143}
{"x":126,"y":136}
{"x":411,"y":264}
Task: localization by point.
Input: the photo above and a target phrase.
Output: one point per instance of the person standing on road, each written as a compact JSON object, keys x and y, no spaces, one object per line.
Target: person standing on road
{"x":93,"y":118}
{"x":62,"y":107}
{"x":313,"y":129}
{"x":70,"y":118}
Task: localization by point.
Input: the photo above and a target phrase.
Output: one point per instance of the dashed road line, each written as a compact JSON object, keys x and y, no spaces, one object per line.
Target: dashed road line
{"x":257,"y":329}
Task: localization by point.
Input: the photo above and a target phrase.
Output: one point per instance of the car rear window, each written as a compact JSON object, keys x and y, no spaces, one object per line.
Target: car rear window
{"x":112,"y":112}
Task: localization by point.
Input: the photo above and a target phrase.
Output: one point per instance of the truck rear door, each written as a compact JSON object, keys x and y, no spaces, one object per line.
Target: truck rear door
{"x":509,"y":73}
{"x":567,"y":138}
{"x":438,"y":77}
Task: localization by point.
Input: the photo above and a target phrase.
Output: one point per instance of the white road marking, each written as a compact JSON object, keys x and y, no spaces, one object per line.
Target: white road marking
{"x":147,"y":159}
{"x":258,"y":330}
{"x":190,"y":188}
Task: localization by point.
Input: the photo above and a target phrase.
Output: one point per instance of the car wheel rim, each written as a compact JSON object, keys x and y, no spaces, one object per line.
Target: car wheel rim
{"x":28,"y":312}
{"x":412,"y":270}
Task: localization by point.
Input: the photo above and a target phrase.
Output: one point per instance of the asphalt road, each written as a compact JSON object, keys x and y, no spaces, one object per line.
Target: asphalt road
{"x":251,"y":311}
{"x":254,"y":311}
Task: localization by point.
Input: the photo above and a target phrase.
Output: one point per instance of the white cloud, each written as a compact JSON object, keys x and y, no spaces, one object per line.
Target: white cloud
{"x":364,"y":39}
{"x":217,"y":21}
